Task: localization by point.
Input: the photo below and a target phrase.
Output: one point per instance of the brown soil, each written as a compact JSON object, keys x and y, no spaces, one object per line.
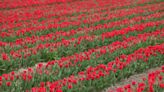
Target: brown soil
{"x":137,"y":78}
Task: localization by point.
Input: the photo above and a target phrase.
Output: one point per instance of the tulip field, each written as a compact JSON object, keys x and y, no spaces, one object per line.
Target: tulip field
{"x":81,"y":45}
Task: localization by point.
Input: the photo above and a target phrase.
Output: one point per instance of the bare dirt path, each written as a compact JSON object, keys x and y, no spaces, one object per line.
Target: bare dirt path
{"x":136,"y":77}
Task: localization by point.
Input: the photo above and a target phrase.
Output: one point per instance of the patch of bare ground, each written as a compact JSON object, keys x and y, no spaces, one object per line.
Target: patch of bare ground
{"x":136,"y":77}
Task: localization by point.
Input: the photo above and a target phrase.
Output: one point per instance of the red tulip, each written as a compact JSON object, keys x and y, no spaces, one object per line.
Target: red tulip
{"x":133,"y":83}
{"x":4,"y":56}
{"x":41,"y":84}
{"x":59,"y":90}
{"x":34,"y":89}
{"x":69,"y":86}
{"x":11,"y":78}
{"x":0,"y":78}
{"x":161,"y":85}
{"x":151,"y":89}
{"x":8,"y":84}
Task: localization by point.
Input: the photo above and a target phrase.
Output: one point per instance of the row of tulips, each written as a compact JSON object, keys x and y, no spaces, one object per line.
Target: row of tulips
{"x":57,"y":36}
{"x":6,"y":35}
{"x":19,"y":3}
{"x":60,"y":9}
{"x":99,"y":74}
{"x":64,"y":25}
{"x":44,"y":20}
{"x":71,"y":9}
{"x":152,"y":82}
{"x":78,"y":62}
{"x":76,"y":43}
{"x":46,"y":55}
{"x":34,"y":14}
